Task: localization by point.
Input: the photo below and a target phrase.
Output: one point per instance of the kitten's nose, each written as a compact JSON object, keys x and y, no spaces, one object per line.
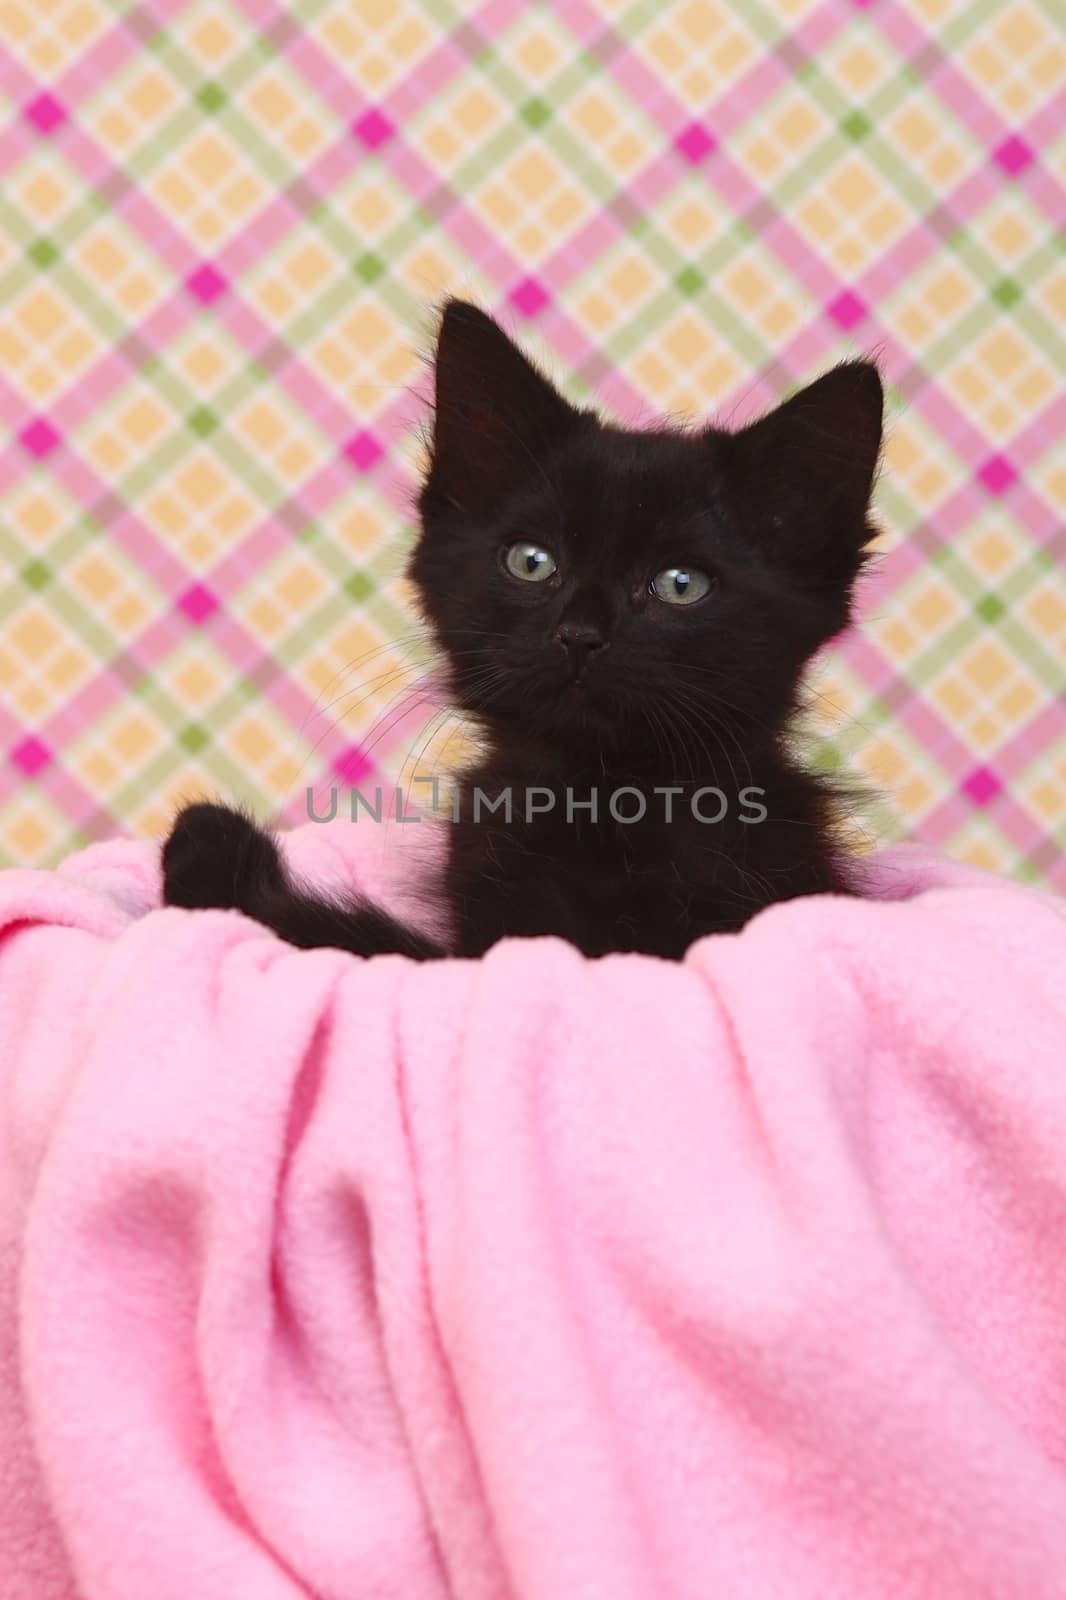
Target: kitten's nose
{"x":580,"y":640}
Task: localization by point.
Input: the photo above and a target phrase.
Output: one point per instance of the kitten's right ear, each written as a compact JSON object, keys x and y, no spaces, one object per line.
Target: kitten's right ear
{"x":804,"y":473}
{"x":495,"y":414}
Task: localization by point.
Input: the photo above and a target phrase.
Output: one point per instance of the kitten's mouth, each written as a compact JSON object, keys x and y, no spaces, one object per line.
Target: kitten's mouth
{"x":578,"y":691}
{"x":583,"y":695}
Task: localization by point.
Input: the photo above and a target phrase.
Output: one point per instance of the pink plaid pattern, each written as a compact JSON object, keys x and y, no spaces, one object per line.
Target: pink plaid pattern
{"x":382,"y":126}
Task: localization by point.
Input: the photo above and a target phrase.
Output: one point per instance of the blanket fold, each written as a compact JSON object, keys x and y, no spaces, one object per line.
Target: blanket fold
{"x":531,"y":1277}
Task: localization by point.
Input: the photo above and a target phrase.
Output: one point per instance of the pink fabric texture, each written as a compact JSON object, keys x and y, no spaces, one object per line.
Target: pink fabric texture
{"x":533,"y":1276}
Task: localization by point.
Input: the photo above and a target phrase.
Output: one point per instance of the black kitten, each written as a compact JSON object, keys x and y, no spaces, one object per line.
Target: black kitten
{"x":627,"y":615}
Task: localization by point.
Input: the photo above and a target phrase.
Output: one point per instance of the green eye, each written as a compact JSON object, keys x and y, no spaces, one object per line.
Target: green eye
{"x":681,"y":586}
{"x":530,"y":562}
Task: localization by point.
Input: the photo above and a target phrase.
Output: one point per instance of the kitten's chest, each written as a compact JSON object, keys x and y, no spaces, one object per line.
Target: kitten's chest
{"x":602,"y":883}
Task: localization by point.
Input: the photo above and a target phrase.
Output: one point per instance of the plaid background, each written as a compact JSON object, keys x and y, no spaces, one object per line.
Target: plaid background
{"x":221,"y":222}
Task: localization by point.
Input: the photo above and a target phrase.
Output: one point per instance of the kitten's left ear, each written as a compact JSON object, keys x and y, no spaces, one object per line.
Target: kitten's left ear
{"x":495,"y":414}
{"x":803,"y":475}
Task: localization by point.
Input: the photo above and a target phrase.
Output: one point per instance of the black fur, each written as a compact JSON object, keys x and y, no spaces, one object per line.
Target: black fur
{"x":588,"y":681}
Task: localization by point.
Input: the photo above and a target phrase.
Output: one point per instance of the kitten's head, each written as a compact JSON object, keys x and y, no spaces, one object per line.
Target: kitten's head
{"x":601,"y":588}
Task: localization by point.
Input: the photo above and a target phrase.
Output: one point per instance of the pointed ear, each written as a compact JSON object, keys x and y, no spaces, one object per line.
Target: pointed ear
{"x":803,"y":475}
{"x":494,"y":417}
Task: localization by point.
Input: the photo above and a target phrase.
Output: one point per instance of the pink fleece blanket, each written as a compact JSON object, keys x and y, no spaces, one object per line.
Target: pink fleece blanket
{"x":533,"y":1276}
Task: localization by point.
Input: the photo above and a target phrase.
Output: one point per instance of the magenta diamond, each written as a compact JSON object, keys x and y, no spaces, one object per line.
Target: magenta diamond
{"x":39,"y":438}
{"x":694,"y":143}
{"x":997,"y":474}
{"x":373,"y":128}
{"x":352,"y":764}
{"x":198,"y":603}
{"x":847,"y":310}
{"x":45,"y":113}
{"x":31,"y":755}
{"x":363,"y":451}
{"x":206,"y":283}
{"x":1013,"y":155}
{"x":982,"y":785}
{"x":529,"y":297}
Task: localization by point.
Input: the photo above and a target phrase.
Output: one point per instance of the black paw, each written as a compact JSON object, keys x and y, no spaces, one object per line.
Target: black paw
{"x":217,"y":857}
